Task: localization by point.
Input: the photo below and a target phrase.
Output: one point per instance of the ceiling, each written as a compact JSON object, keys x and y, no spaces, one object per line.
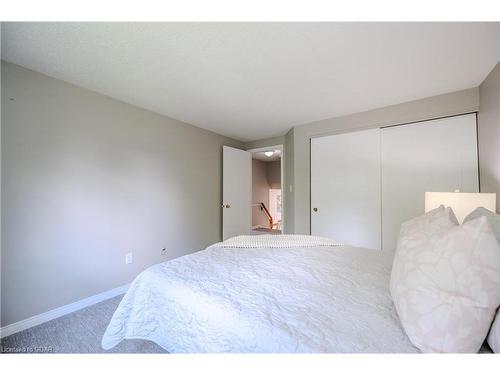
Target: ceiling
{"x":256,"y":80}
{"x":259,"y":155}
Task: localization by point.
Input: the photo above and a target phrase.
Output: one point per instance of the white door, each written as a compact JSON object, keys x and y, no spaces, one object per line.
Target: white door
{"x":437,"y":155}
{"x":345,"y":188}
{"x":236,"y":192}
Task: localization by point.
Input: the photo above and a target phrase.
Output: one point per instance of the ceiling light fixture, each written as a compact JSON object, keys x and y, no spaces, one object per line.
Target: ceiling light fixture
{"x":269,"y":153}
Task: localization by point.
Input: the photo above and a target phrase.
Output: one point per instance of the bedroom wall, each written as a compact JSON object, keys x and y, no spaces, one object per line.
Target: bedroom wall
{"x":274,"y":174}
{"x":489,"y":134}
{"x":288,"y":182}
{"x":266,"y":142}
{"x":260,"y":192}
{"x":298,"y":166}
{"x":87,"y":179}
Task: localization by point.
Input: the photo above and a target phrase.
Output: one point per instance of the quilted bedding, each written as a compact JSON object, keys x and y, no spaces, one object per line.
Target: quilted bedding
{"x":319,"y":299}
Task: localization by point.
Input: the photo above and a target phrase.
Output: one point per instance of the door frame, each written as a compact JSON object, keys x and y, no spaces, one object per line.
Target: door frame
{"x":280,"y":147}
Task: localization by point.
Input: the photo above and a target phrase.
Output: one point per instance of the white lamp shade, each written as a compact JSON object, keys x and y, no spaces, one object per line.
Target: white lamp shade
{"x":462,"y":204}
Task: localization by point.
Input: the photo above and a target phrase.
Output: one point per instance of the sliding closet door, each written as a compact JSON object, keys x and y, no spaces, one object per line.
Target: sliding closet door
{"x":437,"y":155}
{"x":345,"y":188}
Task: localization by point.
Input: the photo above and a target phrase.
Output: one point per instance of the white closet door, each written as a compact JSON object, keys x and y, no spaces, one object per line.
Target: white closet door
{"x":437,"y":155}
{"x":345,"y":188}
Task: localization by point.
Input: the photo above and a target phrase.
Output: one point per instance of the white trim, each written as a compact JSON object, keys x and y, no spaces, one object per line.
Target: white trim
{"x":60,"y":311}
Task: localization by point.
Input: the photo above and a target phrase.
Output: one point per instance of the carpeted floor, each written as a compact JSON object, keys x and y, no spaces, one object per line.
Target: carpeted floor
{"x":79,"y":332}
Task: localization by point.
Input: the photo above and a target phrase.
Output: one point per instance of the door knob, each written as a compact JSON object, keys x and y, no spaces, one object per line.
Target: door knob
{"x":226,"y":206}
{"x":315,"y":209}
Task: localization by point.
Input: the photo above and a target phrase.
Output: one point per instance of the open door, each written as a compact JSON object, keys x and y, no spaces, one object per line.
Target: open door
{"x":236,"y":192}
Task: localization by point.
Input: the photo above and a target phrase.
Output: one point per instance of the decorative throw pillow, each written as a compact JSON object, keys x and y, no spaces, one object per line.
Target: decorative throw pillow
{"x":494,"y":335}
{"x":445,"y":284}
{"x":430,"y":223}
{"x":494,"y":220}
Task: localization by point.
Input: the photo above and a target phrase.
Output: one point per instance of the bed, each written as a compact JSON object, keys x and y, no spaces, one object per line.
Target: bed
{"x":269,"y":294}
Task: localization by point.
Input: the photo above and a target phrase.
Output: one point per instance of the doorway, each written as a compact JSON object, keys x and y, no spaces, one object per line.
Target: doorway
{"x":267,"y":192}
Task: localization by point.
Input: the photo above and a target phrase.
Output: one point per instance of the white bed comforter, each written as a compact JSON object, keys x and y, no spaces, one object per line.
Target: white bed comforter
{"x":299,"y":299}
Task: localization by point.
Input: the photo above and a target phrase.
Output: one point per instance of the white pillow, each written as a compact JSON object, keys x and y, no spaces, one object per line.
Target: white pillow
{"x":494,"y":220}
{"x":494,"y":335}
{"x":445,"y":282}
{"x":430,"y":223}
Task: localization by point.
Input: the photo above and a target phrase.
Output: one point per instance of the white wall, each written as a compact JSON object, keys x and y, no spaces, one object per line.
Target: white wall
{"x":86,"y":179}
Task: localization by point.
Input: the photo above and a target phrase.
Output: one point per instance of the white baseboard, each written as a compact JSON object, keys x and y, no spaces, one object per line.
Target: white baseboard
{"x":60,"y":311}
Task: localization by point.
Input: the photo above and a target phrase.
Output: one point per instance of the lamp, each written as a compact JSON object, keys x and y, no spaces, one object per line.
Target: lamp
{"x":462,"y":204}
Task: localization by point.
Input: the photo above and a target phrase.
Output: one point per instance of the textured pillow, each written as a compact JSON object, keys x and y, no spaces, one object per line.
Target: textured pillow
{"x":494,"y":335}
{"x":430,"y":223}
{"x":445,"y":284}
{"x":494,"y":220}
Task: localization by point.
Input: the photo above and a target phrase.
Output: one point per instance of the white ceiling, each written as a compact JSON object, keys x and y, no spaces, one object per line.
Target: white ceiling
{"x":260,"y":155}
{"x":256,"y":80}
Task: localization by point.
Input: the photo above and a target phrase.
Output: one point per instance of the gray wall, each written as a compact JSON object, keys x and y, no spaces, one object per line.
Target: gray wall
{"x":86,"y":179}
{"x":288,"y":182}
{"x":297,"y":204}
{"x":260,"y":192}
{"x":489,"y":134}
{"x":267,"y":142}
{"x":274,"y":174}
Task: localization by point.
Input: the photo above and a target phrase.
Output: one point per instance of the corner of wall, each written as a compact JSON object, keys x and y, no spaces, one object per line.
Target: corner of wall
{"x":489,"y":133}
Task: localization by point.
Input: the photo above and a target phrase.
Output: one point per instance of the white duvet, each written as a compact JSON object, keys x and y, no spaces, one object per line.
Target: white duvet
{"x":320,"y":299}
